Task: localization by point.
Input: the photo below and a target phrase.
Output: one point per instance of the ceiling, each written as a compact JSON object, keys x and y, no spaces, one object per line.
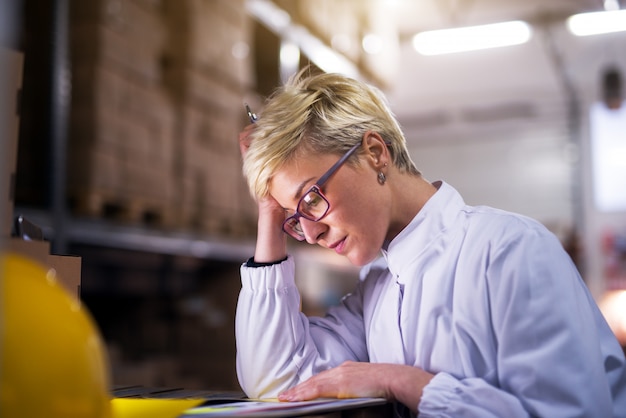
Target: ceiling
{"x":499,"y":80}
{"x":440,"y":92}
{"x":413,"y":16}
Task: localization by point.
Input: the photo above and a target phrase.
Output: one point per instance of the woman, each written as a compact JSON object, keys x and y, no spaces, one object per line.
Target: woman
{"x":470,"y":311}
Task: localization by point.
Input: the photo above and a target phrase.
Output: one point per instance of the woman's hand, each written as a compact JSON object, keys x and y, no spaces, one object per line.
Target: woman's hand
{"x":271,"y":244}
{"x":394,"y":382}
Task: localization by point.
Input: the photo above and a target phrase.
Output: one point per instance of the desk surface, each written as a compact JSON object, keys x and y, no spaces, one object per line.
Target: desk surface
{"x":141,"y":392}
{"x":173,"y":393}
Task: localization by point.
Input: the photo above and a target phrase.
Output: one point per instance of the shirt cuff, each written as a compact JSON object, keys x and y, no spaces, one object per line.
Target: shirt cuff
{"x":437,"y":395}
{"x":252,"y":263}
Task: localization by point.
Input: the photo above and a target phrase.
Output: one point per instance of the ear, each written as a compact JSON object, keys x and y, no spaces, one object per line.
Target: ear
{"x":376,"y":151}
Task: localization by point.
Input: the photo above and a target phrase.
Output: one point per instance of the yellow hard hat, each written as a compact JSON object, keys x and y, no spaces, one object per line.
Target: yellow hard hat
{"x":52,"y":359}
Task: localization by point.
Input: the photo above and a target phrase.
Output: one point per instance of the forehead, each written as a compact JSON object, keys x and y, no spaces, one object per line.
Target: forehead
{"x":298,"y":174}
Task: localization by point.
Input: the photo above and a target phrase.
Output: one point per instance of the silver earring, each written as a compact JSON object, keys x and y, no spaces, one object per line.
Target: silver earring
{"x":381,"y":178}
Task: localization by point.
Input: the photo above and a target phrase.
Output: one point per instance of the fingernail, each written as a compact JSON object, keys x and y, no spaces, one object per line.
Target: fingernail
{"x":284,"y":396}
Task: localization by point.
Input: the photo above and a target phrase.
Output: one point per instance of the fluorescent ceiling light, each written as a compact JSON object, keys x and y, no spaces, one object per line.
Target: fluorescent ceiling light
{"x":279,"y":22}
{"x":471,"y":38}
{"x":595,"y":23}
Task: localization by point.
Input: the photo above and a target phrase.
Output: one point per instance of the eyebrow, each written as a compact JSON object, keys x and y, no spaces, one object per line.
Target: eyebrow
{"x":301,"y":187}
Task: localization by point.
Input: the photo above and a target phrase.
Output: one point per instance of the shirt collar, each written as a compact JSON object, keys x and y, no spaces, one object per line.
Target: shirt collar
{"x":430,"y":222}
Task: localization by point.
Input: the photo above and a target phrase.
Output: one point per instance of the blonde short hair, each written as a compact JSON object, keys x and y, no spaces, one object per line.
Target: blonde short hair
{"x":320,"y":113}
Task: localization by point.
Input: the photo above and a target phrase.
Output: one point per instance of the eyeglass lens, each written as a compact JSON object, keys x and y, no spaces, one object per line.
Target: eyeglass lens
{"x":292,"y":227}
{"x":312,"y":206}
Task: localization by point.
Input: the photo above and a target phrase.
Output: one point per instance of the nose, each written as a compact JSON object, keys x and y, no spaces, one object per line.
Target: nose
{"x":313,"y":231}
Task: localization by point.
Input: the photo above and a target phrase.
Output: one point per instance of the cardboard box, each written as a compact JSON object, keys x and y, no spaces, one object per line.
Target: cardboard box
{"x":67,"y":269}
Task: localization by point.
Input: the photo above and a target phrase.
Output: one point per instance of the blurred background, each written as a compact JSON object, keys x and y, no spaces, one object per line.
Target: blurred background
{"x":120,"y":122}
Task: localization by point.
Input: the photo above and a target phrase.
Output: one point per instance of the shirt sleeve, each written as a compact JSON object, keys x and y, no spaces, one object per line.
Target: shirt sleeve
{"x":555,"y":351}
{"x":277,"y":345}
{"x":447,"y":396}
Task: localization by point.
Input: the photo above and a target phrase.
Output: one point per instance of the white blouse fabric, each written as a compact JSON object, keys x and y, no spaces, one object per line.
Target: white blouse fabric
{"x":486,"y":300}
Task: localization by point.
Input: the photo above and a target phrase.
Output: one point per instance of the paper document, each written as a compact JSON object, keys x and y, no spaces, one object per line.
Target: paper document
{"x":271,"y":409}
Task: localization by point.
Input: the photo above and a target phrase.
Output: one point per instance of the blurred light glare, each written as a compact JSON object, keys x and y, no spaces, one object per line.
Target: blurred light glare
{"x":596,"y":23}
{"x":275,"y":18}
{"x":279,"y":22}
{"x":326,"y":58}
{"x":611,"y":5}
{"x":289,"y":60}
{"x":372,"y":44}
{"x":472,"y":38}
{"x":289,"y":53}
{"x":240,"y":50}
{"x":608,"y":153}
{"x":613,"y":307}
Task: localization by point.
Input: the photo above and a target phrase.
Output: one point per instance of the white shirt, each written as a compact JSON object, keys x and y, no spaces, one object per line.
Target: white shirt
{"x":487,"y":300}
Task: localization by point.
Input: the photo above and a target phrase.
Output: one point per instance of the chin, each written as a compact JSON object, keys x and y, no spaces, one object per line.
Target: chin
{"x":360,"y":260}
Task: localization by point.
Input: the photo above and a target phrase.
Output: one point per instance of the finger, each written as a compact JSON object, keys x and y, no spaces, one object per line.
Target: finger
{"x":243,"y":148}
{"x":244,"y":135}
{"x":244,"y":139}
{"x":246,"y":130}
{"x":324,"y":384}
{"x":302,"y":392}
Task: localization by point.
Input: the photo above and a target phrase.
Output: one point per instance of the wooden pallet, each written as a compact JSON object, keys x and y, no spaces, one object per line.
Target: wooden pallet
{"x":131,"y":210}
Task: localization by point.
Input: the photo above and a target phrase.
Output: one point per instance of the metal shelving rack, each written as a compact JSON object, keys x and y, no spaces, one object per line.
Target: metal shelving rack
{"x":59,"y":226}
{"x":135,"y":238}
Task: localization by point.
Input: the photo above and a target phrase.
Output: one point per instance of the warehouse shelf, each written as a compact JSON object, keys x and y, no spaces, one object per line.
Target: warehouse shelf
{"x":139,"y":238}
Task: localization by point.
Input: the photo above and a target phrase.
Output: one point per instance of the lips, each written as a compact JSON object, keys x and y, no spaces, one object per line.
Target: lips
{"x":338,"y":246}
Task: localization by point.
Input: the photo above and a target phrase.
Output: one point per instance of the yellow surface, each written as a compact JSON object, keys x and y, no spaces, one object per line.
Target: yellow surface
{"x":151,"y":408}
{"x":52,"y":359}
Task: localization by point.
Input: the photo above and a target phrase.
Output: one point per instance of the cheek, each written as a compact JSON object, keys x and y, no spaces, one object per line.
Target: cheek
{"x":366,"y":216}
{"x":367,"y":202}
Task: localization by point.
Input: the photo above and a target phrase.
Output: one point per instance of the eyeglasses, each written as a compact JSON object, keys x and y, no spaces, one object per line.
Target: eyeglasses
{"x":313,"y":205}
